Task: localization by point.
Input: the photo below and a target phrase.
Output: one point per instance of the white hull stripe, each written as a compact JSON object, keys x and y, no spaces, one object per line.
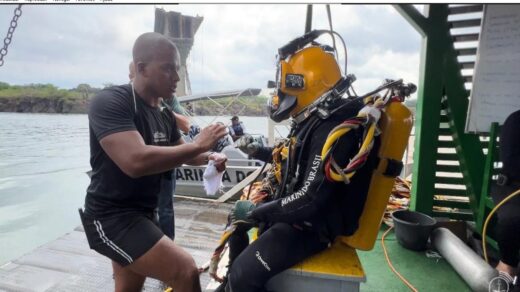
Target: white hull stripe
{"x":110,"y":243}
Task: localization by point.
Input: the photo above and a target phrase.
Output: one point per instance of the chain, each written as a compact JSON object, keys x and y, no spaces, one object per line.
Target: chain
{"x":10,"y":31}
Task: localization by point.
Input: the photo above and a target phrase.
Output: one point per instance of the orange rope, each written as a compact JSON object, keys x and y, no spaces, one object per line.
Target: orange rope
{"x":390,"y":263}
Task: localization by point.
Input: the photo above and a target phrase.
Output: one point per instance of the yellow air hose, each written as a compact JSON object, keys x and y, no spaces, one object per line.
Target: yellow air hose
{"x":342,"y":129}
{"x":488,"y":218}
{"x":336,"y":135}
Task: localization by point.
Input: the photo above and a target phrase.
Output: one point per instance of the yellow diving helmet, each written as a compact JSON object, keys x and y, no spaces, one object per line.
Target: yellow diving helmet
{"x":304,"y":74}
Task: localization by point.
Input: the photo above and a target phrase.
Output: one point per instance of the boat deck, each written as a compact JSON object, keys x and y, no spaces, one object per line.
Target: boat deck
{"x":67,"y":264}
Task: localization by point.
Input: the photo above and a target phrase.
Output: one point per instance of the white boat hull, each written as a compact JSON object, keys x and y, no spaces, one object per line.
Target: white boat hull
{"x":189,"y":179}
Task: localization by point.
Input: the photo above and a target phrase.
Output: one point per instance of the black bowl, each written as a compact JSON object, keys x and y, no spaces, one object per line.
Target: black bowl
{"x":412,"y":229}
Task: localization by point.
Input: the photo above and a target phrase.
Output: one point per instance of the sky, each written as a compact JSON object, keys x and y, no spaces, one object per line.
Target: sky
{"x":235,"y":46}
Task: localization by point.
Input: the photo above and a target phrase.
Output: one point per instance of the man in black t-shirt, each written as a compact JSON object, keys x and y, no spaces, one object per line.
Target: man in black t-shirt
{"x":165,"y":211}
{"x":508,"y":224}
{"x":132,"y":144}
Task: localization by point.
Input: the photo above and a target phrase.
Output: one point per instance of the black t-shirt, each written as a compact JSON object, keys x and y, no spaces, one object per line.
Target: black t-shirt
{"x":111,"y":191}
{"x":510,"y":146}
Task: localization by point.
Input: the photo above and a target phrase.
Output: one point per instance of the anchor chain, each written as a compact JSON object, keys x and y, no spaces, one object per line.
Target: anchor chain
{"x":10,"y":32}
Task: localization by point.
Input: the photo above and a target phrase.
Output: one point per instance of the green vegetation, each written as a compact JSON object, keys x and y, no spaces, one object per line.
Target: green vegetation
{"x":249,"y":106}
{"x":82,"y":91}
{"x":44,"y":98}
{"x":47,"y":98}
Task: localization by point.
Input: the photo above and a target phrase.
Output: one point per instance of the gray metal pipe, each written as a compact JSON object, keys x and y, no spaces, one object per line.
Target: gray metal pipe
{"x":471,"y":267}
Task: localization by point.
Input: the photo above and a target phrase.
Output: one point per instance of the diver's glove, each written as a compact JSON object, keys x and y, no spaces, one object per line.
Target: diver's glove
{"x":266,"y":212}
{"x":247,"y":144}
{"x":239,"y":213}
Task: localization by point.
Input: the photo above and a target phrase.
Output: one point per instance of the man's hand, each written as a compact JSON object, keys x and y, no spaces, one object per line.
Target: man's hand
{"x":248,"y":145}
{"x":209,"y":136}
{"x":220,"y":161}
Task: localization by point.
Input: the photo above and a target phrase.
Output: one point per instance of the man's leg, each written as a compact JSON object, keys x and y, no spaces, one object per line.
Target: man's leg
{"x":126,"y":280}
{"x":238,"y":241}
{"x":508,"y":238}
{"x":508,"y":235}
{"x":165,"y":207}
{"x":139,"y":247}
{"x":277,"y":249}
{"x":169,"y":263}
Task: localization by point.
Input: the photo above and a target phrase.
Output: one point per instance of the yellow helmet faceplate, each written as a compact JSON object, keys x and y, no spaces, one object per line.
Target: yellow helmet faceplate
{"x":304,"y":77}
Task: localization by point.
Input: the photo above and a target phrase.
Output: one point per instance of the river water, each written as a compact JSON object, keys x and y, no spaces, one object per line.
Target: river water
{"x":43,"y":163}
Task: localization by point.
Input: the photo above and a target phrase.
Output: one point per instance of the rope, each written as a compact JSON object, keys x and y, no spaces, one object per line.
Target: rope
{"x":488,"y":218}
{"x":412,"y":288}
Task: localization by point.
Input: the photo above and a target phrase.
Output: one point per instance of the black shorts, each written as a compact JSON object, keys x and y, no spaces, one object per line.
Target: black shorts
{"x":122,"y":238}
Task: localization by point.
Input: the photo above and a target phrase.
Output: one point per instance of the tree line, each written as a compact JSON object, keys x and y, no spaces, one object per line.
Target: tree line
{"x":49,"y":98}
{"x":82,"y":91}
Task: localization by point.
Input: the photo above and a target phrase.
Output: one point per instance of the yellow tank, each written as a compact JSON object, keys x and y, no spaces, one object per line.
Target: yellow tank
{"x":395,"y":123}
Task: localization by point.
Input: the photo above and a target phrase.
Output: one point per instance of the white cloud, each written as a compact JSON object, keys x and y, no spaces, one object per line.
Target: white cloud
{"x":235,"y":46}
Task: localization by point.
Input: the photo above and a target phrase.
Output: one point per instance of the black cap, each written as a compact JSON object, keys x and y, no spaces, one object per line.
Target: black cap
{"x":234,"y":118}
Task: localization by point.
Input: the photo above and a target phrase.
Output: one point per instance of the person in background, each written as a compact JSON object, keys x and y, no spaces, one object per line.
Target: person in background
{"x":189,"y":108}
{"x":165,"y":212}
{"x":132,"y":144}
{"x":508,"y":225}
{"x":181,"y":115}
{"x":237,"y":128}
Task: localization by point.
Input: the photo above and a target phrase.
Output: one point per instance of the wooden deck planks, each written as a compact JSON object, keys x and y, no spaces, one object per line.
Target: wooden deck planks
{"x":67,"y":263}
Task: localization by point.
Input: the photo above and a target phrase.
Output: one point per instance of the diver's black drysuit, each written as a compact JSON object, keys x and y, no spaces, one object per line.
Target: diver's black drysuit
{"x":304,"y":220}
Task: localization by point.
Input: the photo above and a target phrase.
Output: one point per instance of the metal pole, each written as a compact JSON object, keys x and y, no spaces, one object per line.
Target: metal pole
{"x":472,"y":268}
{"x":308,"y":21}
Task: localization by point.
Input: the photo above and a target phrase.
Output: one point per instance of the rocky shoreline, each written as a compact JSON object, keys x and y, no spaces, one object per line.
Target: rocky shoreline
{"x":43,"y":105}
{"x":79,"y":106}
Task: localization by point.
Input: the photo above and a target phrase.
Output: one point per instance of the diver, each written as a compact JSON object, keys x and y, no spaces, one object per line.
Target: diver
{"x":301,"y":210}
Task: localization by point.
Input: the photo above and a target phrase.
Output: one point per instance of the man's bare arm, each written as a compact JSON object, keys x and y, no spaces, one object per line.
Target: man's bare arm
{"x":204,"y":157}
{"x":130,"y":153}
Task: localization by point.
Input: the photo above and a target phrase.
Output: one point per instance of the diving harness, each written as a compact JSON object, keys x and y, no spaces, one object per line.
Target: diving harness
{"x":367,"y":117}
{"x":277,"y":180}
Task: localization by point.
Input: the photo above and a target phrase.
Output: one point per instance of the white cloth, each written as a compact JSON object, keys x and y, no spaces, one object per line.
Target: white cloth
{"x":371,"y":111}
{"x":212,"y":179}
